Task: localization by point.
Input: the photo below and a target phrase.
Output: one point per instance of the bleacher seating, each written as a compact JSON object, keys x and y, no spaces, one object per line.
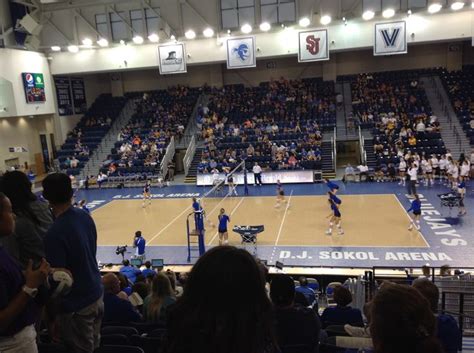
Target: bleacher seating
{"x":142,"y":143}
{"x":460,"y":87}
{"x":282,"y":121}
{"x":89,"y":132}
{"x":392,"y":104}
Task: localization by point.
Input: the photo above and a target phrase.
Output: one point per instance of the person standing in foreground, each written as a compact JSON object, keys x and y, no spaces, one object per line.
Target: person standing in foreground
{"x":71,"y":243}
{"x":223,"y":234}
{"x":18,"y":310}
{"x":139,"y":243}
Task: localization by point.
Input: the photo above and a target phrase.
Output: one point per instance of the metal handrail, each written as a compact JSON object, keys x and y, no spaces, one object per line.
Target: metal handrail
{"x":363,"y":154}
{"x":188,"y":157}
{"x":169,"y":154}
{"x":334,"y":150}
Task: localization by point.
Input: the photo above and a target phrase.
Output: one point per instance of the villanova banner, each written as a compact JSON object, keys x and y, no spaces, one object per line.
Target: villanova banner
{"x":313,"y":45}
{"x":172,"y":58}
{"x":241,"y":52}
{"x":390,"y":38}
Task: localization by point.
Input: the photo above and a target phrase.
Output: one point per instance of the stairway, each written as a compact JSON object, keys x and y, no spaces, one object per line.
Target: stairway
{"x":108,"y":142}
{"x":327,"y":160}
{"x":451,"y":130}
{"x":191,"y":178}
{"x":369,"y":151}
{"x":343,"y":134}
{"x":192,"y":127}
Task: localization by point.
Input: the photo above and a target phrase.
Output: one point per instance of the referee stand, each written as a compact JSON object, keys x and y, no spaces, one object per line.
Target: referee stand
{"x":196,"y":245}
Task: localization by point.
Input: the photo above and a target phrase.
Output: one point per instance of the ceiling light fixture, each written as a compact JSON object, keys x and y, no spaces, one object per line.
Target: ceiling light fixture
{"x":103,"y":42}
{"x":388,"y":13}
{"x":56,"y":48}
{"x":368,"y":15}
{"x":246,"y":28}
{"x":457,"y":5}
{"x":190,"y":34}
{"x":73,"y":48}
{"x":325,"y":20}
{"x":87,"y":42}
{"x":153,"y":38}
{"x":436,"y":7}
{"x":304,"y":22}
{"x":208,"y":32}
{"x":137,"y":39}
{"x":265,"y":26}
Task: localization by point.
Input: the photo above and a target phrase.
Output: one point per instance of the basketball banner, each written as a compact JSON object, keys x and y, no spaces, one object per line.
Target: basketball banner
{"x":313,"y":45}
{"x":390,"y":38}
{"x":172,"y":58}
{"x":78,"y":95}
{"x":241,"y":52}
{"x":63,"y":95}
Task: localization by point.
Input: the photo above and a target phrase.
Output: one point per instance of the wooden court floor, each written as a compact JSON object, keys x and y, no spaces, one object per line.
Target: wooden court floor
{"x":368,"y":221}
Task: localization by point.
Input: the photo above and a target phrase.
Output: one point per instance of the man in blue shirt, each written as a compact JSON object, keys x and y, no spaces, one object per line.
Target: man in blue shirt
{"x":304,"y":289}
{"x":117,"y":309}
{"x":148,"y":271}
{"x":71,"y":243}
{"x":129,"y":271}
{"x":139,"y":244}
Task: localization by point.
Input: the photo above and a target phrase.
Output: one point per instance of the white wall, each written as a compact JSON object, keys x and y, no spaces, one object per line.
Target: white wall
{"x":12,"y":64}
{"x":357,"y":34}
{"x":23,"y":132}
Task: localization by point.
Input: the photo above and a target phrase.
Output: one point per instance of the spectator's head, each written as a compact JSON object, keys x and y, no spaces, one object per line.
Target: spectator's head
{"x":7,"y":218}
{"x":342,"y":296}
{"x":402,"y":321}
{"x":17,"y":187}
{"x":445,"y":270}
{"x":217,"y":290}
{"x":57,"y":189}
{"x":140,"y":278}
{"x":126,"y":263}
{"x":148,"y":264}
{"x":282,"y":290}
{"x":426,"y":270}
{"x":143,"y":289}
{"x":430,"y":291}
{"x":172,"y":277}
{"x":303,"y":281}
{"x":123,"y":281}
{"x":111,"y":283}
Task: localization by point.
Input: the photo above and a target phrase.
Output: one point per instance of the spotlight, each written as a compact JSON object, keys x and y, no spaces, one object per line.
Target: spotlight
{"x":304,"y":22}
{"x":103,"y":42}
{"x":388,"y":13}
{"x":409,"y":12}
{"x":190,"y":34}
{"x":246,"y":28}
{"x":173,"y":37}
{"x":433,"y":8}
{"x":325,"y":20}
{"x":153,"y":38}
{"x":208,"y":32}
{"x":265,"y":26}
{"x":56,"y":48}
{"x":137,"y":39}
{"x":457,"y":5}
{"x":368,"y":15}
{"x":73,"y":48}
{"x":87,"y":42}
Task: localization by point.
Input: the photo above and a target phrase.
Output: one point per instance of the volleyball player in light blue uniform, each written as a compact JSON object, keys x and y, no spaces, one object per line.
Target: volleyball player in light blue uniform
{"x":223,"y":233}
{"x":415,"y":208}
{"x":334,"y":218}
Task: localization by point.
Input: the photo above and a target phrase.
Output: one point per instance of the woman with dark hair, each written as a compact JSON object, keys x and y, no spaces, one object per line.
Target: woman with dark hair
{"x":342,"y":313}
{"x":401,"y":321}
{"x":224,"y":308}
{"x":33,"y":219}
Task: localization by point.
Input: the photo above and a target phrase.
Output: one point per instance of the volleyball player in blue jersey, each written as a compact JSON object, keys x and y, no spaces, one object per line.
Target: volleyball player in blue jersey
{"x":334,"y":218}
{"x":415,"y":208}
{"x":223,"y":221}
{"x":335,"y":199}
{"x":332,"y":186}
{"x":147,"y":193}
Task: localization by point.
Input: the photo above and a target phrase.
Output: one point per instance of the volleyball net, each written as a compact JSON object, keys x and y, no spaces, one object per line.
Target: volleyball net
{"x":219,"y":189}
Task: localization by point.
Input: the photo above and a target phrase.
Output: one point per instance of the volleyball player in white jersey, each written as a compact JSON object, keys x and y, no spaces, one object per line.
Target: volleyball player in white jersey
{"x":146,"y":194}
{"x":454,"y":175}
{"x":402,"y":170}
{"x":465,"y":168}
{"x":429,"y":172}
{"x":435,"y":165}
{"x":443,"y":164}
{"x":413,"y":175}
{"x":424,"y":169}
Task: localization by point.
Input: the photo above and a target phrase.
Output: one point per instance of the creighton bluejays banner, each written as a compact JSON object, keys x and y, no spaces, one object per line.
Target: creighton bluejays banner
{"x":241,"y":52}
{"x":313,"y":45}
{"x":390,"y":38}
{"x":172,"y":58}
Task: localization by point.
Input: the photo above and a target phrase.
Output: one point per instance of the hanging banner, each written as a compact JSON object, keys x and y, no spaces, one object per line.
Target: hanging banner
{"x":390,"y":38}
{"x":172,"y":58}
{"x":78,"y":95}
{"x":63,"y":95}
{"x":34,"y":87}
{"x":313,"y":45}
{"x":241,"y":52}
